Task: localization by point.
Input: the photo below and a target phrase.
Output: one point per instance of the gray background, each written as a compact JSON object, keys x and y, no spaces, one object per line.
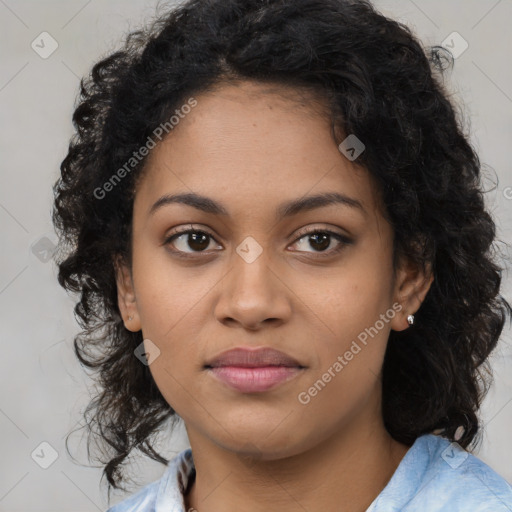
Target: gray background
{"x":43,"y":388}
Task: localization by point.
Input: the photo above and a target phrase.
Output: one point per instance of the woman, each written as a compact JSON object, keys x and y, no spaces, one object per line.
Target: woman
{"x":279,"y":237}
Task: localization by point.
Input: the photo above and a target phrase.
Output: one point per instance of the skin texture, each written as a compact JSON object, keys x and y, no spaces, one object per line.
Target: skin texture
{"x":252,"y":148}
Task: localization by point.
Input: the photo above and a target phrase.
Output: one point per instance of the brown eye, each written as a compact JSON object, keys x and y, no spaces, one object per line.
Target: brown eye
{"x":321,"y":240}
{"x":190,"y":241}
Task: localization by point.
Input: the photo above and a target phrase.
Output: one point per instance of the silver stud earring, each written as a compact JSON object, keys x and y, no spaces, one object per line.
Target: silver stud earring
{"x":130,"y":317}
{"x":410,"y":319}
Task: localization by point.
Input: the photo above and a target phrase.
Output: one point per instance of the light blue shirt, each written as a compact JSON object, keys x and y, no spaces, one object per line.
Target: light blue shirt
{"x":434,"y":476}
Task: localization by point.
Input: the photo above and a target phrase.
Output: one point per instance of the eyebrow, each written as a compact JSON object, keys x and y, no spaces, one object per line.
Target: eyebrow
{"x":288,"y":209}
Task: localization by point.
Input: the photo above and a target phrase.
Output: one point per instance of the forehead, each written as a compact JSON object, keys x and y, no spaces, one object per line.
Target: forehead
{"x":253,"y":145}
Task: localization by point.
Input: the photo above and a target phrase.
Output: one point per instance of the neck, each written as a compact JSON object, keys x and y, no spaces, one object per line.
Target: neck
{"x":345,"y":472}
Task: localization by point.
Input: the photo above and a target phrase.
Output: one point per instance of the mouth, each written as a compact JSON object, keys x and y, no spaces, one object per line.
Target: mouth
{"x":253,"y":358}
{"x":250,"y":370}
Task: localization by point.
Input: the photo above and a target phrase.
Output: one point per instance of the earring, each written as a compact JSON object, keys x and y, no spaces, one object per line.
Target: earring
{"x":130,"y":317}
{"x":410,"y":319}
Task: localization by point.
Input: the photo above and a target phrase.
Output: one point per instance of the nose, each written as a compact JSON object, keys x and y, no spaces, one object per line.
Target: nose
{"x":253,"y":294}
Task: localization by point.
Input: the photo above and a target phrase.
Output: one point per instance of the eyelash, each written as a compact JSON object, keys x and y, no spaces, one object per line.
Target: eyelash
{"x":344,"y":241}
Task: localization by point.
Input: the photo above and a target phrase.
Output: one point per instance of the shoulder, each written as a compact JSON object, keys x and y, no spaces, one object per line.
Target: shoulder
{"x":463,"y":481}
{"x":165,"y":493}
{"x":436,"y":475}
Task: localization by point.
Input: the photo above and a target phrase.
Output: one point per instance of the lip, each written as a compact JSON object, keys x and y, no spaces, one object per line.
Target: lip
{"x":254,"y":370}
{"x":248,"y":357}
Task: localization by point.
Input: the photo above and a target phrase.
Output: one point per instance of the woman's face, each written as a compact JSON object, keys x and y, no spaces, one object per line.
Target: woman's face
{"x":258,"y":279}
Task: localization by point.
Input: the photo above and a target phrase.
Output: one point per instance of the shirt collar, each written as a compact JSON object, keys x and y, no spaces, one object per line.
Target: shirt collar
{"x":174,"y":484}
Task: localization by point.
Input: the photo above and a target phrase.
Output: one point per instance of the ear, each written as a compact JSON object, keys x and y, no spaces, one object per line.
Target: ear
{"x":126,"y":295}
{"x":412,"y":284}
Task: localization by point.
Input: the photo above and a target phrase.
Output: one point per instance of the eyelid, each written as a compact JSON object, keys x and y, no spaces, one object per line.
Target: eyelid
{"x":310,"y":231}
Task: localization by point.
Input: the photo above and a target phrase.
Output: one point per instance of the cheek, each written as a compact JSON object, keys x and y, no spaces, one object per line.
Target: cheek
{"x":171,"y":308}
{"x":350,"y":357}
{"x":358,"y":331}
{"x":169,"y":297}
{"x":353,"y":310}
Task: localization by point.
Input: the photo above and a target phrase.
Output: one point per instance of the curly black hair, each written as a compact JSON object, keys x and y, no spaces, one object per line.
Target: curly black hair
{"x":382,"y":85}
